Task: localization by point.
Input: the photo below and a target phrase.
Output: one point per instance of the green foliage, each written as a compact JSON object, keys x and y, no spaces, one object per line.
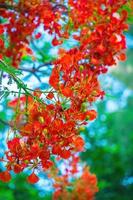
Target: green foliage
{"x":124,"y":71}
{"x":19,"y":189}
{"x":110,"y":152}
{"x":129,"y":9}
{"x":8,"y":69}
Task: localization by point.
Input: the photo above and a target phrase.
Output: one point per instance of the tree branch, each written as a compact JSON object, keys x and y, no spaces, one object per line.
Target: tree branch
{"x":5,"y":123}
{"x":60,"y":6}
{"x":10,"y":7}
{"x":35,"y":70}
{"x":21,"y":84}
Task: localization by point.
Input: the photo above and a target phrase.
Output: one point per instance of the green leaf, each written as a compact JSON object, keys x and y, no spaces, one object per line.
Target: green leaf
{"x":9,"y":69}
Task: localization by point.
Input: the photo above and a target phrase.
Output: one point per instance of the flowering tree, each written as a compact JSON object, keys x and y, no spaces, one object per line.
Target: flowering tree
{"x":46,"y":124}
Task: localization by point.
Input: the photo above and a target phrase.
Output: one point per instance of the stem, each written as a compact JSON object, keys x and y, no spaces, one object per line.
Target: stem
{"x":1,"y":76}
{"x":5,"y":123}
{"x":20,"y":83}
{"x":7,"y":6}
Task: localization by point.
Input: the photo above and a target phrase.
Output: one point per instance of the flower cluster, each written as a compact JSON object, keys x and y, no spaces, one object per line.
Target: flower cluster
{"x":83,"y":185}
{"x":47,"y":129}
{"x":22,"y":19}
{"x":52,"y":127}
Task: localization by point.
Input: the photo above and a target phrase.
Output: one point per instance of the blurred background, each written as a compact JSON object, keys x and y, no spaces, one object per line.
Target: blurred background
{"x":109,"y":140}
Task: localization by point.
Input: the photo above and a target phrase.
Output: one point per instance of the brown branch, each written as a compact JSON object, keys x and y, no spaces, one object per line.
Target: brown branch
{"x":34,"y":71}
{"x":5,"y":123}
{"x":14,"y":127}
{"x":60,"y":6}
{"x":45,"y":65}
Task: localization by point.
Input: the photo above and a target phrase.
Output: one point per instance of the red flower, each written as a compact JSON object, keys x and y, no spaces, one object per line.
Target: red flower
{"x":1,"y":56}
{"x":1,"y":43}
{"x":67,"y":92}
{"x":14,"y":144}
{"x":91,"y":115}
{"x":1,"y":29}
{"x":33,"y":178}
{"x":38,"y":35}
{"x":5,"y":176}
{"x":47,"y":164}
{"x":79,"y":143}
{"x":122,"y":57}
{"x":54,"y":78}
{"x":52,"y":126}
{"x":65,"y":154}
{"x":50,"y":95}
{"x":18,"y":168}
{"x":56,"y":42}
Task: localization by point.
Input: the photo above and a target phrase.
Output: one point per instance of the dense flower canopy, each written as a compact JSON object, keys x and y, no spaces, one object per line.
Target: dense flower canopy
{"x":50,"y":126}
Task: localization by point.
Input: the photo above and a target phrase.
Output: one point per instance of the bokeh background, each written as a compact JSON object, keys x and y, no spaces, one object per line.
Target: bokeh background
{"x":109,"y":139}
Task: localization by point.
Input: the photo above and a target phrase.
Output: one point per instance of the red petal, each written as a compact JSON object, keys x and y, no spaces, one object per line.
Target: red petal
{"x":56,"y":42}
{"x":18,"y":168}
{"x":38,"y":35}
{"x":122,"y":57}
{"x":50,"y":96}
{"x":65,"y":154}
{"x":91,"y":115}
{"x":33,"y":178}
{"x":5,"y":176}
{"x":67,"y":92}
{"x":79,"y":143}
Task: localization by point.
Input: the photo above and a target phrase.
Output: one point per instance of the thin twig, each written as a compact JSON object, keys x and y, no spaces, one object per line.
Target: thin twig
{"x":34,"y":71}
{"x":21,"y":84}
{"x":5,"y":123}
{"x":10,"y":7}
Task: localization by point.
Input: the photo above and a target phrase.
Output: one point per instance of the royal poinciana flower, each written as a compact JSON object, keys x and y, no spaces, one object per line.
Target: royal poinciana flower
{"x":25,"y":14}
{"x":51,"y":126}
{"x":83,"y":185}
{"x":5,"y":176}
{"x":33,"y":178}
{"x":48,"y":130}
